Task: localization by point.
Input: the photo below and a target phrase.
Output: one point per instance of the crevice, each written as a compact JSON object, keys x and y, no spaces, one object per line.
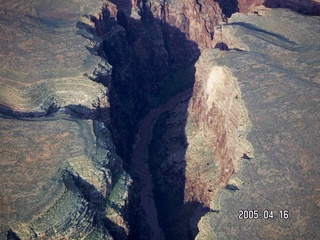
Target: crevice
{"x":207,"y":29}
{"x":151,"y":62}
{"x":153,"y":65}
{"x":200,"y":5}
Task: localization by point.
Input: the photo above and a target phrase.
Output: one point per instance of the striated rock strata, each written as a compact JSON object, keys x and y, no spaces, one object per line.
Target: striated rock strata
{"x":81,"y":85}
{"x":152,"y":47}
{"x":61,"y":177}
{"x":216,"y":129}
{"x":275,"y":59}
{"x":198,"y":146}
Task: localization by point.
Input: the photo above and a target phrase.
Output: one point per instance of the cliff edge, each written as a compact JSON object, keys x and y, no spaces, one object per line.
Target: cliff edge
{"x":61,"y":177}
{"x":275,"y":60}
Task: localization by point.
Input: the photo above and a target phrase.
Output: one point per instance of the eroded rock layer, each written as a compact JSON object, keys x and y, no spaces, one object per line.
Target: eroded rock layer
{"x":198,"y":151}
{"x":275,"y":59}
{"x":218,"y":121}
{"x":61,"y":177}
{"x":79,"y":80}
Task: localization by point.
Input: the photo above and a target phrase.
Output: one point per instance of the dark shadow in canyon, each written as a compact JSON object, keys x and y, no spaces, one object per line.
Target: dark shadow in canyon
{"x":152,"y":61}
{"x":310,"y":7}
{"x":178,"y":218}
{"x":228,"y":7}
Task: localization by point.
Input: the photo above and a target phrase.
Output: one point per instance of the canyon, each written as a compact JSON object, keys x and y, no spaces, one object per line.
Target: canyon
{"x":159,"y":119}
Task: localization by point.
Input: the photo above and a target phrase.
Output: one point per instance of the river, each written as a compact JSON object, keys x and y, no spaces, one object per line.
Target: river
{"x":140,"y":164}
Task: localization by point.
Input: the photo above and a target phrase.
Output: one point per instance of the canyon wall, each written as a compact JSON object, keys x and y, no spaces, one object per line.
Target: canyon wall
{"x":275,"y":57}
{"x":219,"y":123}
{"x":144,"y":69}
{"x":199,"y":149}
{"x":61,"y":177}
{"x":152,"y":46}
{"x":78,"y":79}
{"x":196,"y":149}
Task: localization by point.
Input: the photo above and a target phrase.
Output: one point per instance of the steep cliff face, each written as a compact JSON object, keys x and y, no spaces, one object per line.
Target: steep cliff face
{"x":194,"y":18}
{"x":275,"y":61}
{"x":218,"y":121}
{"x":196,"y":148}
{"x":152,"y":47}
{"x":71,"y":110}
{"x":61,"y":176}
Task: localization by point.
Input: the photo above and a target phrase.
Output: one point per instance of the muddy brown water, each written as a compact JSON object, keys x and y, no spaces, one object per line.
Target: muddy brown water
{"x":140,"y":165}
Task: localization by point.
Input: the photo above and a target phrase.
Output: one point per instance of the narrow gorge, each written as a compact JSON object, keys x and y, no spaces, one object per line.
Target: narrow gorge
{"x":153,"y":55}
{"x":158,"y":119}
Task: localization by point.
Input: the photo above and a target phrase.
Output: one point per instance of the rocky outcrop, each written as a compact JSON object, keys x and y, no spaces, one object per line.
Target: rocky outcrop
{"x":70,"y":216}
{"x":77,"y":88}
{"x":152,"y":47}
{"x":61,"y":176}
{"x":219,"y":121}
{"x":196,"y":148}
{"x":194,"y":18}
{"x":275,"y":61}
{"x":149,"y":44}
